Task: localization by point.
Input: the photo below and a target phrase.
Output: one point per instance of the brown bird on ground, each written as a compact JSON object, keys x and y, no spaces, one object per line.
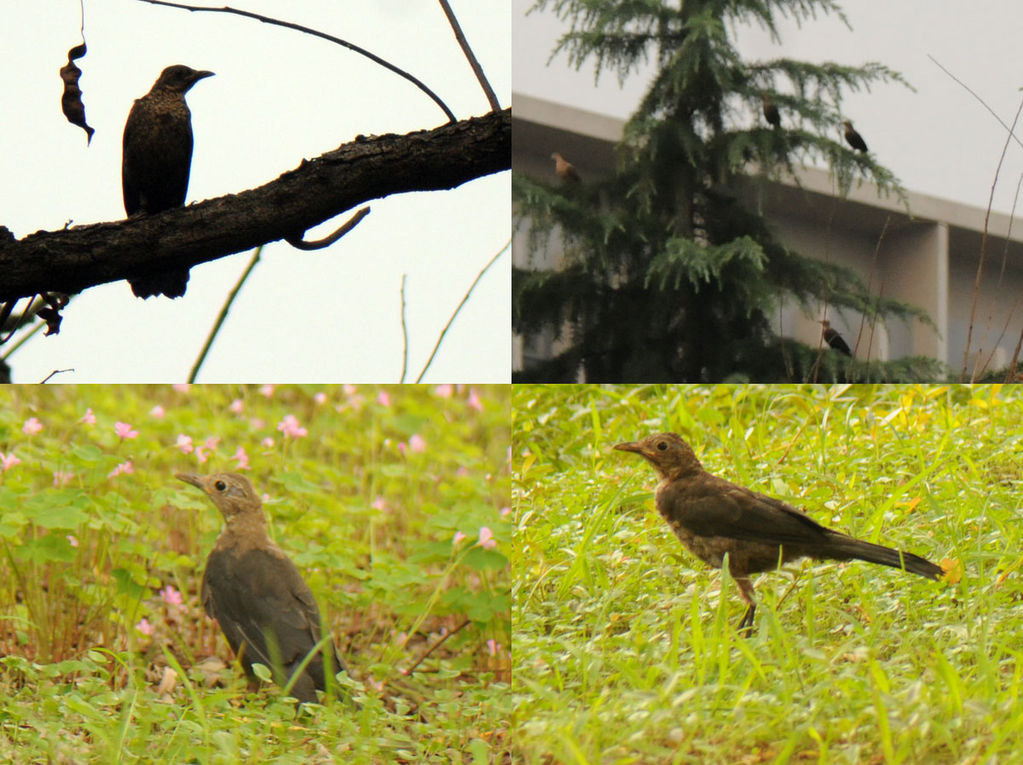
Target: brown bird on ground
{"x":564,"y":169}
{"x":712,"y":517}
{"x":156,"y":159}
{"x":770,"y":111}
{"x":855,"y":139}
{"x":835,"y":340}
{"x":266,"y":611}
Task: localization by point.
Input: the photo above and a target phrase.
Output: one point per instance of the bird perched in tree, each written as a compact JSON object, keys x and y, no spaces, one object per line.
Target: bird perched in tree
{"x":156,"y":159}
{"x":770,"y":111}
{"x":265,"y":609}
{"x":835,"y":340}
{"x":713,"y":517}
{"x":855,"y":139}
{"x":564,"y":169}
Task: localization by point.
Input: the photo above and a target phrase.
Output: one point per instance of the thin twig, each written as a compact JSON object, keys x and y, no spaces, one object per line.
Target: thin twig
{"x":437,"y":645}
{"x":476,"y":68}
{"x":404,"y":332}
{"x":223,"y":314}
{"x":315,"y":33}
{"x":455,"y":314}
{"x":318,"y":244}
{"x":983,"y":252}
{"x":55,"y":372}
{"x":22,"y":340}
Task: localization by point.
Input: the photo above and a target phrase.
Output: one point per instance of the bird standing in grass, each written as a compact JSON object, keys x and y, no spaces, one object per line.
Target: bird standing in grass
{"x":155,"y":163}
{"x":713,"y":517}
{"x":770,"y":111}
{"x":265,"y":609}
{"x":835,"y":340}
{"x":855,"y":139}
{"x":564,"y":169}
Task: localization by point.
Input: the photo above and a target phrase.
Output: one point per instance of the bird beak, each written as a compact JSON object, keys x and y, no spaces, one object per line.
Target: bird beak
{"x":191,"y":478}
{"x":629,"y":446}
{"x":203,"y":73}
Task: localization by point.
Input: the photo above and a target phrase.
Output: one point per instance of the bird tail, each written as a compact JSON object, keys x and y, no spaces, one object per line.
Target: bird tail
{"x":846,"y":548}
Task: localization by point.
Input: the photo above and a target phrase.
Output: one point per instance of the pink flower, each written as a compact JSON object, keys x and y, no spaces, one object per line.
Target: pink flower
{"x":417,"y":443}
{"x":202,"y":453}
{"x":348,"y":389}
{"x":237,"y":406}
{"x":487,"y":541}
{"x":144,"y":627}
{"x":212,"y":443}
{"x":462,"y":471}
{"x":124,"y":467}
{"x":459,"y":536}
{"x":184,"y":443}
{"x":7,"y":461}
{"x":289,"y":427}
{"x":181,"y":387}
{"x":402,"y":447}
{"x":171,"y":596}
{"x":505,"y":511}
{"x":157,"y":412}
{"x":72,"y":540}
{"x":444,"y":391}
{"x":123,"y":431}
{"x":383,"y":399}
{"x":379,"y":504}
{"x":267,"y":390}
{"x":493,"y":646}
{"x":61,"y":478}
{"x":256,"y":423}
{"x":474,"y":400}
{"x":268,"y":443}
{"x":32,"y":426}
{"x":88,"y":418}
{"x":242,"y":458}
{"x":320,"y":398}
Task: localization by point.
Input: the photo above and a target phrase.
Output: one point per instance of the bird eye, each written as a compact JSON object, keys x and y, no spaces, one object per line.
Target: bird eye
{"x":220,"y":486}
{"x":662,"y":446}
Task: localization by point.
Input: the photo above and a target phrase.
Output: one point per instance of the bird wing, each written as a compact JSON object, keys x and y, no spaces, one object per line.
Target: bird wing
{"x":717,"y":507}
{"x":257,"y":594}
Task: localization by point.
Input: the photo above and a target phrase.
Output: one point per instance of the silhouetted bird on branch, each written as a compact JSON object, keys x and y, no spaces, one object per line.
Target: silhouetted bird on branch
{"x":155,"y":163}
{"x":770,"y":111}
{"x":855,"y":139}
{"x":835,"y":340}
{"x":266,"y":611}
{"x":713,"y":517}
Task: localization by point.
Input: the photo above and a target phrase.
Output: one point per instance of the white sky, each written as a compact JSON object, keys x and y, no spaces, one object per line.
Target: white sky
{"x":938,"y":140}
{"x":278,"y":97}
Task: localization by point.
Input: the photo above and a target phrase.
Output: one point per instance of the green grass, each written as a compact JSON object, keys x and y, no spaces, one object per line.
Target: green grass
{"x":367,"y":503}
{"x":625,"y":645}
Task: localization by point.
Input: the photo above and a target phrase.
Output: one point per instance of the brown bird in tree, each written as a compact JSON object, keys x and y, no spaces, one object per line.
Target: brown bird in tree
{"x":565,"y":170}
{"x":855,"y":139}
{"x":835,"y":340}
{"x":770,"y":111}
{"x":712,"y":517}
{"x":266,"y":611}
{"x":157,"y":157}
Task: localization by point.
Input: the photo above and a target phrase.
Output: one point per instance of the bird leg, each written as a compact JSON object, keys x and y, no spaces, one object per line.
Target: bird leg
{"x":746,"y":592}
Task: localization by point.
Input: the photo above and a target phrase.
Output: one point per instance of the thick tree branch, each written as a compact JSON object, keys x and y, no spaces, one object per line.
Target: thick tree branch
{"x":368,"y":168}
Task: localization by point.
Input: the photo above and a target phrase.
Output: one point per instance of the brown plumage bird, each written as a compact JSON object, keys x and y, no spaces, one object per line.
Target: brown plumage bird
{"x":712,"y":517}
{"x":564,"y":169}
{"x":855,"y":139}
{"x":156,"y":159}
{"x":265,"y":609}
{"x":770,"y":111}
{"x":835,"y":340}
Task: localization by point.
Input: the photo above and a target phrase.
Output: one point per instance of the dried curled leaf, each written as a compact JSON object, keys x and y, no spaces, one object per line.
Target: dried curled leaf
{"x":71,"y":101}
{"x":953,"y":569}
